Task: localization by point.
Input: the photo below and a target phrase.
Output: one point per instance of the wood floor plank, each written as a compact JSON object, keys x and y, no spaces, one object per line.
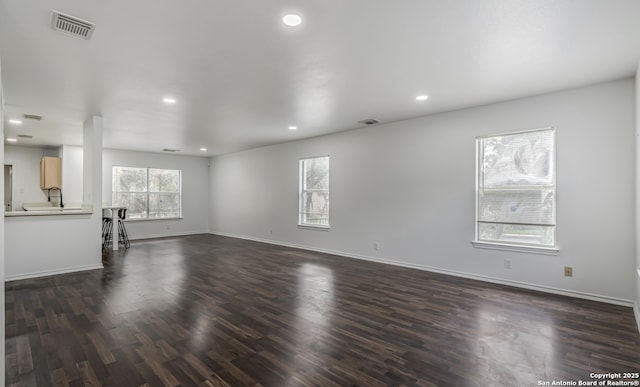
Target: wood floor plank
{"x":206,"y":310}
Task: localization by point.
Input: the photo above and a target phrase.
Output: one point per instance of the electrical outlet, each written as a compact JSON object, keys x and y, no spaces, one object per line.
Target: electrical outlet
{"x":568,"y":271}
{"x":507,"y":264}
{"x":376,"y":246}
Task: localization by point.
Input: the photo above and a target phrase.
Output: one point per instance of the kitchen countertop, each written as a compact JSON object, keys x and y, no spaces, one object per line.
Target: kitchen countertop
{"x":84,"y":210}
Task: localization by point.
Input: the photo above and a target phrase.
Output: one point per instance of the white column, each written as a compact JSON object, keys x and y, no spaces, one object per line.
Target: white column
{"x":92,"y":176}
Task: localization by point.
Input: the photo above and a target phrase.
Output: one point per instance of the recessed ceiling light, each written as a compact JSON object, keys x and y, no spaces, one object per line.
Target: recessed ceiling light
{"x":15,"y":122}
{"x":292,"y":20}
{"x":169,"y":100}
{"x":12,"y":140}
{"x":292,"y":127}
{"x":422,"y":97}
{"x":203,"y":149}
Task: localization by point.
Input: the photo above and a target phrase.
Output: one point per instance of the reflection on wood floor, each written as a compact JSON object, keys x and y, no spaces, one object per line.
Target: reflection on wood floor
{"x":214,"y":311}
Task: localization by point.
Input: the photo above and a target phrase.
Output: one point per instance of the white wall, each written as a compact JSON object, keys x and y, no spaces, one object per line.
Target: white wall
{"x":195,"y":191}
{"x":72,"y":182}
{"x":26,"y":173}
{"x":45,"y":245}
{"x":410,"y":186}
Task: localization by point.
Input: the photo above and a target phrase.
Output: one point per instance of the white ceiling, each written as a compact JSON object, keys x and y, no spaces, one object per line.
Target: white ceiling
{"x":241,"y":77}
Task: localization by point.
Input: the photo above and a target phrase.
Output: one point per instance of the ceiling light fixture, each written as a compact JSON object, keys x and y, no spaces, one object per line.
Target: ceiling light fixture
{"x":292,"y":127}
{"x":12,"y":140}
{"x":169,"y":100}
{"x":15,"y":122}
{"x":292,"y":20}
{"x":203,"y":149}
{"x":422,"y":98}
{"x":32,"y":117}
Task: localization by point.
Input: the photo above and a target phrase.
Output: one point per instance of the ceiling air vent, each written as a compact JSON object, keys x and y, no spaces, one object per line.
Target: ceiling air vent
{"x":369,"y":121}
{"x":71,"y":25}
{"x":32,"y":117}
{"x":25,"y":136}
{"x":170,"y":150}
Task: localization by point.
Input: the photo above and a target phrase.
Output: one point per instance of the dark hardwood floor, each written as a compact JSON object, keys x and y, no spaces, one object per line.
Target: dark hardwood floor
{"x":206,"y":310}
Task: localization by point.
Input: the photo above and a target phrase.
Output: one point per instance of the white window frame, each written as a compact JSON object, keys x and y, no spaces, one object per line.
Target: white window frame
{"x":302,"y":190}
{"x":148,"y":193}
{"x":513,"y":245}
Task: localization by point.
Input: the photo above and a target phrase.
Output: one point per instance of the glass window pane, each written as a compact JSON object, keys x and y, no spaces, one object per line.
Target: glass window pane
{"x":517,"y":206}
{"x":518,"y":159}
{"x":164,"y":205}
{"x":316,"y":202}
{"x":316,"y":173}
{"x":164,"y":180}
{"x":136,"y":204}
{"x":314,"y":219}
{"x":128,"y":179}
{"x":511,"y":233}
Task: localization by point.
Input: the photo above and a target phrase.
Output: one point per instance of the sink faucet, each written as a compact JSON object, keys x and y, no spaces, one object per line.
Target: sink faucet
{"x":49,"y":196}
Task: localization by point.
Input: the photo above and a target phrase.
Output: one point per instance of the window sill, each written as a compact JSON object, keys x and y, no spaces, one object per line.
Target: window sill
{"x":314,"y":227}
{"x":518,"y":248}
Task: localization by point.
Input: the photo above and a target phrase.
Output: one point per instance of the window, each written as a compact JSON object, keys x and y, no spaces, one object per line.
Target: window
{"x":148,"y":193}
{"x":314,"y":192}
{"x":516,"y":189}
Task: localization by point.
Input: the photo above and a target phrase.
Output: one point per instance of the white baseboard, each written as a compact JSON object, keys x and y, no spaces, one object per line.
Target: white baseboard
{"x":499,"y":281}
{"x":47,"y":273}
{"x":151,"y":236}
